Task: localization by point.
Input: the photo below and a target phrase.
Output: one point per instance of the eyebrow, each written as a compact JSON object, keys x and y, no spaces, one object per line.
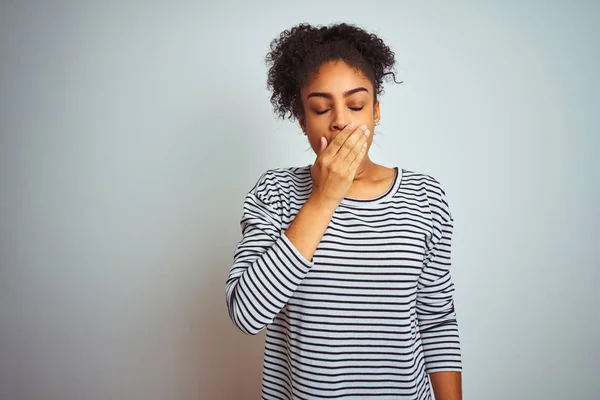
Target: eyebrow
{"x":329,"y":96}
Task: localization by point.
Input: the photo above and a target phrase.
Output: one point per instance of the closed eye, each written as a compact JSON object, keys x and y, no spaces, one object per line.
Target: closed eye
{"x":352,"y":108}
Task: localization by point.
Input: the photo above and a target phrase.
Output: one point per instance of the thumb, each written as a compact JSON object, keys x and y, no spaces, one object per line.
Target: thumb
{"x":323,"y":144}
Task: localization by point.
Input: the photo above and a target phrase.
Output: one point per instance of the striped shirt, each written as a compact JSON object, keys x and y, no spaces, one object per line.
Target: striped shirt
{"x":372,"y":314}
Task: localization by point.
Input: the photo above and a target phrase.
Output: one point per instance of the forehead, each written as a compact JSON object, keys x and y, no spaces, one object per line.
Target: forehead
{"x":336,"y":77}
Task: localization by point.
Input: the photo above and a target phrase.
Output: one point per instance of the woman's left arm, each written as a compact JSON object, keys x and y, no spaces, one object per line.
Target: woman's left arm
{"x":435,"y":307}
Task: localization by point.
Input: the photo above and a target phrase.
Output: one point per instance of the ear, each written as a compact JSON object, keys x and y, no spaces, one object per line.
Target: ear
{"x":302,"y":123}
{"x":376,"y":113}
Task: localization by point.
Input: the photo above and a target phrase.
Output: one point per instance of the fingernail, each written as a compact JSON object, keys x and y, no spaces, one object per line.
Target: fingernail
{"x":352,"y":125}
{"x":367,"y":132}
{"x":363,"y":127}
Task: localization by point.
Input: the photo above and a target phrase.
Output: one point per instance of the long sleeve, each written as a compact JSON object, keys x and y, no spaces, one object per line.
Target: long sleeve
{"x":266,"y":269}
{"x":435,"y":290}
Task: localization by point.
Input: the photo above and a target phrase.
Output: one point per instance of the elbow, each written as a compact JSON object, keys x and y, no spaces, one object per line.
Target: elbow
{"x":446,"y":324}
{"x":434,"y":320}
{"x":241,"y":318}
{"x":250,"y":332}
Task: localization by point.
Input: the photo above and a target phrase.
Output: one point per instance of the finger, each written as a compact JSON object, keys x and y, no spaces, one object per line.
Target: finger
{"x":362,"y":151}
{"x":323,"y":144}
{"x":337,"y":143}
{"x":358,"y":146}
{"x":350,"y":143}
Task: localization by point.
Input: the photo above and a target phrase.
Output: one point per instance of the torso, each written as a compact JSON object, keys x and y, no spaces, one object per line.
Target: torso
{"x":350,"y":328}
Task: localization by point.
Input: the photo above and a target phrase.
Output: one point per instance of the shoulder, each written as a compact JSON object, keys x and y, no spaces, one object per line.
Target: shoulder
{"x":422,"y":180}
{"x":273,"y":182}
{"x":436,"y":195}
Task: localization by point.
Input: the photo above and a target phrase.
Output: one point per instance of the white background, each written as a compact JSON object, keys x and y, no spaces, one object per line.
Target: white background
{"x":131,"y":131}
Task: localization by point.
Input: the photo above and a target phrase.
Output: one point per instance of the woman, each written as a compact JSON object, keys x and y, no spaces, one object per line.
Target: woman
{"x":345,"y":261}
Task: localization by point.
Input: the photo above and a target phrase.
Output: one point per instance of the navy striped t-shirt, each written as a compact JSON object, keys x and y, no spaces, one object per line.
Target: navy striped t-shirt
{"x":371,"y":314}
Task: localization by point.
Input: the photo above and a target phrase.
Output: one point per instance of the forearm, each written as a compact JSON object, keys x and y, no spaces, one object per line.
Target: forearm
{"x":309,"y":225}
{"x":447,"y":385}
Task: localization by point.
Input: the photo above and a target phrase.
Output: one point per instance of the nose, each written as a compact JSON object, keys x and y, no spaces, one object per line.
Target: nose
{"x":339,"y":121}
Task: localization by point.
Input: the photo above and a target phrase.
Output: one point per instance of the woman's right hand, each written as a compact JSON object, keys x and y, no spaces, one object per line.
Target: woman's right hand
{"x":337,"y":163}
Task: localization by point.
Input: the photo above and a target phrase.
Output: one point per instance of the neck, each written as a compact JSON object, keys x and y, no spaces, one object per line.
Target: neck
{"x":365,"y":169}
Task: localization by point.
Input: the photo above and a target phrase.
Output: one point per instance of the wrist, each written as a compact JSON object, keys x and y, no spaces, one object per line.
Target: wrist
{"x":322,"y":204}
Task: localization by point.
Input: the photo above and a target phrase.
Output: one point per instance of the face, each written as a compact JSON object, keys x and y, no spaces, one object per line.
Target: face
{"x":335,"y":96}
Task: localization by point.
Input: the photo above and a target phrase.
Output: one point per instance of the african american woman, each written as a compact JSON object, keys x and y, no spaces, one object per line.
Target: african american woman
{"x":345,"y":262}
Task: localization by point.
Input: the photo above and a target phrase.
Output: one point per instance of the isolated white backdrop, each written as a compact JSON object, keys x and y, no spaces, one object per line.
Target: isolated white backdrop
{"x":130,"y":132}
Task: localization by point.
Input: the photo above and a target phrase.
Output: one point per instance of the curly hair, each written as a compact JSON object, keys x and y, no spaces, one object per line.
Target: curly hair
{"x":299,"y":52}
